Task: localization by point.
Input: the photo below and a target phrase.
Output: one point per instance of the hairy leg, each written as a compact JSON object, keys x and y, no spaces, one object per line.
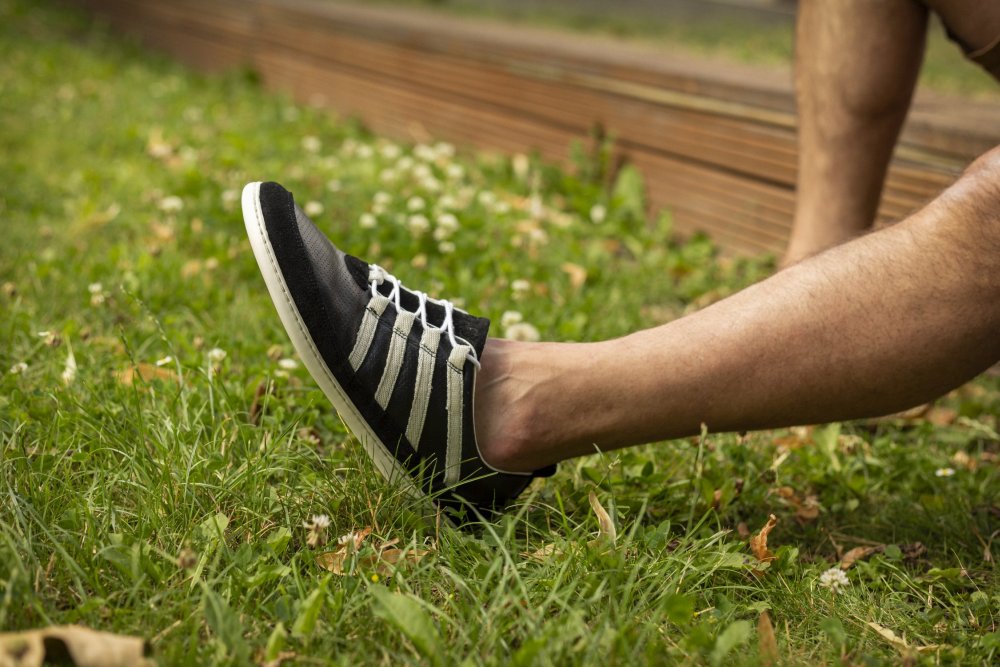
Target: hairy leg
{"x":878,"y":324}
{"x":856,"y":64}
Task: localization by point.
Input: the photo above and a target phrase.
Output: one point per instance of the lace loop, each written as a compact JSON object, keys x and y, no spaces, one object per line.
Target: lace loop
{"x":377,"y":276}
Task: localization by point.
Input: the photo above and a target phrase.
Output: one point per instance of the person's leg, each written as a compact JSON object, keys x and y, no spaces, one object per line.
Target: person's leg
{"x":975,"y":25}
{"x":873,"y":326}
{"x":856,"y":64}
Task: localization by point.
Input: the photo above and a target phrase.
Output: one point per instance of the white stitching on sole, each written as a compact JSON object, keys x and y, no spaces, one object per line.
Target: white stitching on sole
{"x":386,"y":463}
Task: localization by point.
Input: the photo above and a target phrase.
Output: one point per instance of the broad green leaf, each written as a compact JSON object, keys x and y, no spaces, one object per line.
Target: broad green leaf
{"x":405,"y":613}
{"x":735,"y":635}
{"x":305,"y":623}
{"x":276,"y":642}
{"x":225,"y":623}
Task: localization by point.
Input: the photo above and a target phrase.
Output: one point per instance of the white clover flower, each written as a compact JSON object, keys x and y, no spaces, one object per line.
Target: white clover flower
{"x":349,"y":147}
{"x":455,"y":171}
{"x":598,"y":213}
{"x":447,"y":201}
{"x":834,"y":579}
{"x":317,"y":527}
{"x":165,"y":360}
{"x":365,"y":152}
{"x":69,"y":370}
{"x":97,"y":299}
{"x":444,"y":150}
{"x":382,"y":198}
{"x":441,"y":233}
{"x":313,"y":208}
{"x":230,"y":196}
{"x":367,"y":221}
{"x":430,"y":184}
{"x":95,"y":288}
{"x":446,"y":247}
{"x":418,"y":224}
{"x":422,"y":172}
{"x":216,"y":354}
{"x":501,"y":208}
{"x":944,"y":472}
{"x":520,"y":164}
{"x":334,"y":185}
{"x":522,"y":331}
{"x":415,"y":204}
{"x":520,"y":287}
{"x":404,"y":163}
{"x":486,"y":198}
{"x":18,"y":368}
{"x":424,"y":152}
{"x":447,"y":221}
{"x":287,"y":364}
{"x":388,"y":176}
{"x":171,"y":204}
{"x":510,"y":317}
{"x":536,"y":207}
{"x":311,"y":144}
{"x":390,"y":151}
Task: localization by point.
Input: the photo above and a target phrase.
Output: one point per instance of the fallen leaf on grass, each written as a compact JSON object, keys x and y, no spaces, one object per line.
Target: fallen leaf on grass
{"x":146,"y":373}
{"x":766,"y":640}
{"x":607,"y":526}
{"x":806,"y":509}
{"x":859,"y":553}
{"x":577,"y":274}
{"x":544,"y":553}
{"x":899,"y":642}
{"x":758,"y":542}
{"x":71,"y":645}
{"x":383,"y":562}
{"x":798,"y":436}
{"x":928,"y":412}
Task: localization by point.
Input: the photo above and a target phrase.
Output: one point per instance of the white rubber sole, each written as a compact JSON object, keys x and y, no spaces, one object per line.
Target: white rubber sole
{"x":380,"y":455}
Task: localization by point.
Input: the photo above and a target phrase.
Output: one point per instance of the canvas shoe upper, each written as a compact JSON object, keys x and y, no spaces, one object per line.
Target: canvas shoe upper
{"x":399,"y":367}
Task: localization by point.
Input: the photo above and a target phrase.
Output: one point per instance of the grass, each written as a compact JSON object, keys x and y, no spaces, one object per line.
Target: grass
{"x":945,"y":68}
{"x":149,"y":486}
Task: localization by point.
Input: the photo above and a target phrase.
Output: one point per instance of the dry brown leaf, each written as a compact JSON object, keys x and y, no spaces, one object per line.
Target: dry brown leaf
{"x":607,"y":526}
{"x":859,"y":553}
{"x":899,"y":642}
{"x":72,"y":645}
{"x":383,"y":562}
{"x":766,"y":640}
{"x":280,"y":659}
{"x":544,"y":553}
{"x":941,"y":416}
{"x":146,"y":373}
{"x":798,"y":436}
{"x":758,"y":542}
{"x":577,"y":274}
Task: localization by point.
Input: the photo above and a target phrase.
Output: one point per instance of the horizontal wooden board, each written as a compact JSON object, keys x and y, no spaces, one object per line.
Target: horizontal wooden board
{"x":717,"y":145}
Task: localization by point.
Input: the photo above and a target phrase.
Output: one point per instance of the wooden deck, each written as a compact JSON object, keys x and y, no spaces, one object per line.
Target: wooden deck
{"x":716,"y":144}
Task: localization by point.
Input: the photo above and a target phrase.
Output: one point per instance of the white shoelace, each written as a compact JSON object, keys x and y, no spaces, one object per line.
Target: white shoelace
{"x":377,"y":276}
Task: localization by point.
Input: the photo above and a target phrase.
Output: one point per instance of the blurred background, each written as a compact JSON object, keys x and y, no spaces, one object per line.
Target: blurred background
{"x":695,"y":94}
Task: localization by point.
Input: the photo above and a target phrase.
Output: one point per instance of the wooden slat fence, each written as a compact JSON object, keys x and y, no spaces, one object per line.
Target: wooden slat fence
{"x":716,"y":145}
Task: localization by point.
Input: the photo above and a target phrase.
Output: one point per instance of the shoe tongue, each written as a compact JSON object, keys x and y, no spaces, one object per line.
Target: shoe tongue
{"x":473,"y":329}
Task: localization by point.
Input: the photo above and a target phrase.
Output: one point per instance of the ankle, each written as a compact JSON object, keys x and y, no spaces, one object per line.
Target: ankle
{"x":503,"y":411}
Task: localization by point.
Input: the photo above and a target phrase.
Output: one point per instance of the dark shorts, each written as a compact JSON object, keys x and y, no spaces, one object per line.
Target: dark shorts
{"x":988,"y":56}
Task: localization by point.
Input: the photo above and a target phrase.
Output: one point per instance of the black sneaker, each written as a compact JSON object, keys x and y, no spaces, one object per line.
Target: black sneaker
{"x":398,"y":366}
